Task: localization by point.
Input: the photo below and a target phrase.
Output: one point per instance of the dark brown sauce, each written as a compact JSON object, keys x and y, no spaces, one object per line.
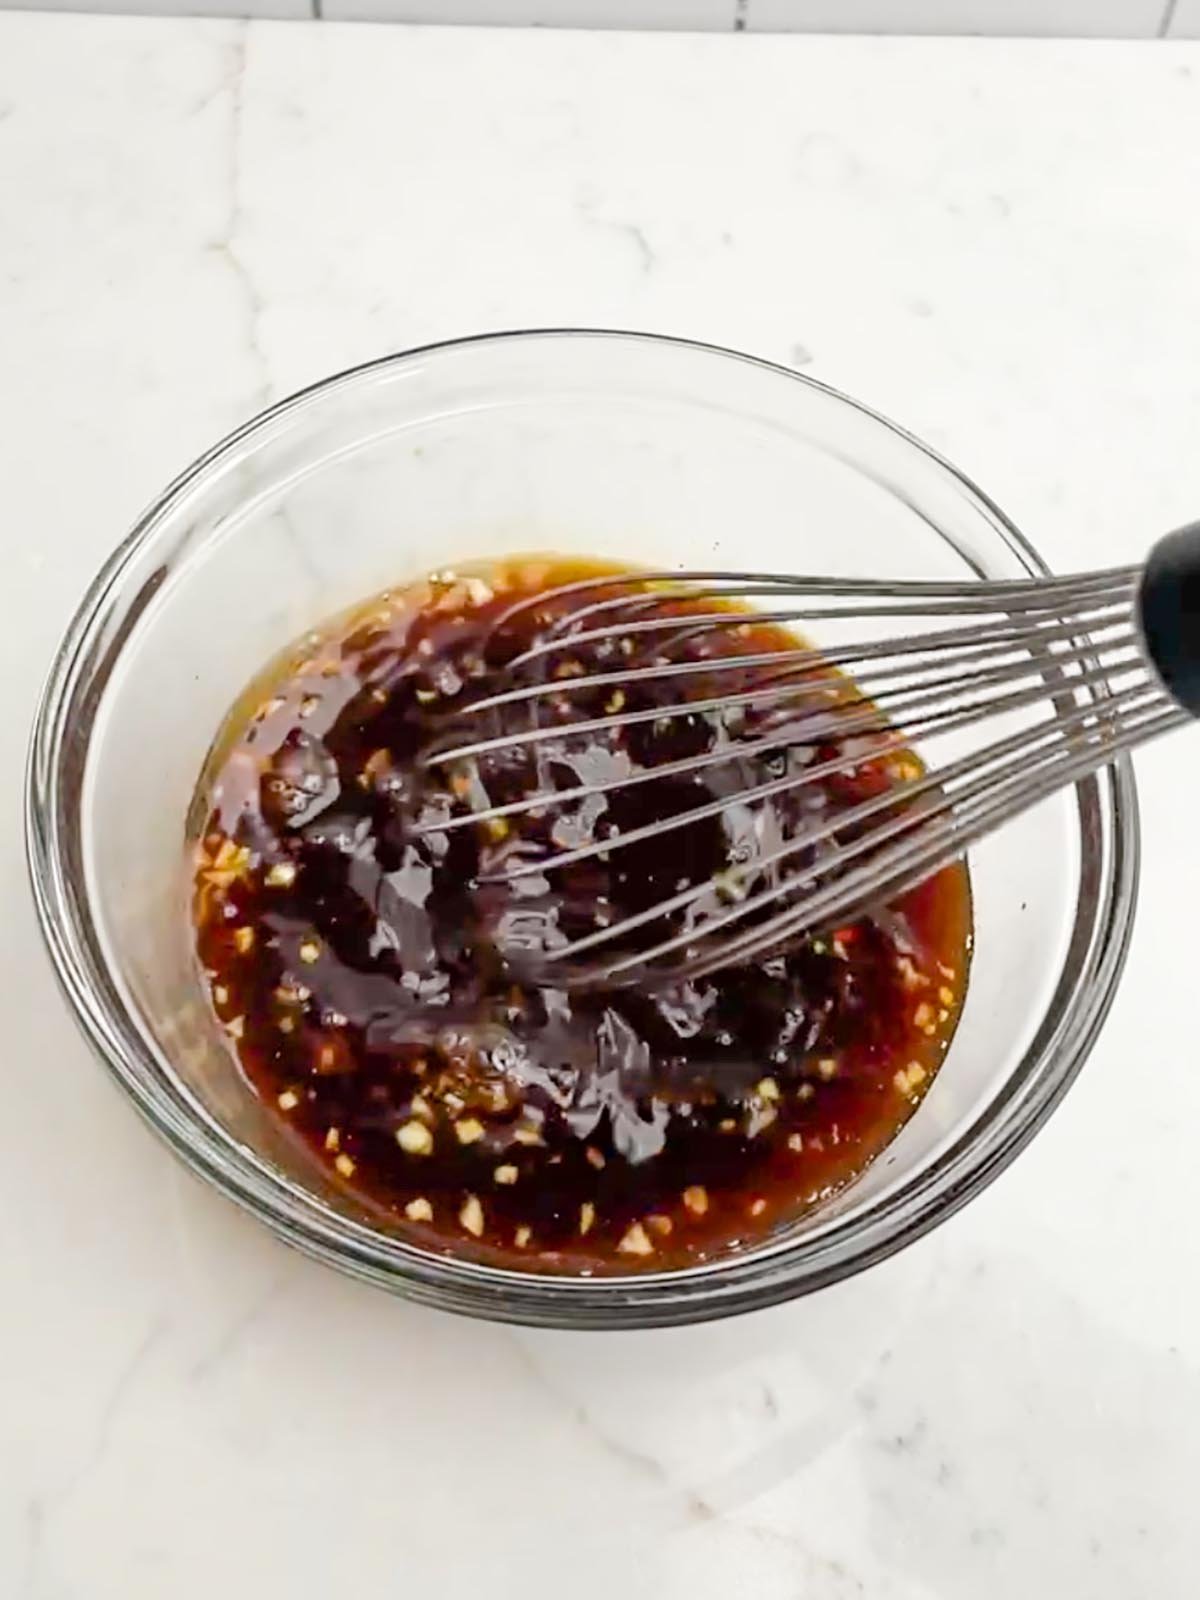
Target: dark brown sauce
{"x":381,"y":998}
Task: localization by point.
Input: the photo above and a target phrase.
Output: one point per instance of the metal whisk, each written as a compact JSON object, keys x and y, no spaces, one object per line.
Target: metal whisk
{"x":1009,"y":691}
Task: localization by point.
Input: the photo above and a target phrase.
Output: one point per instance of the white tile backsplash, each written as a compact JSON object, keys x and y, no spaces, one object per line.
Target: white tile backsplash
{"x":1128,"y":19}
{"x":1184,"y":21}
{"x":715,"y":15}
{"x":287,"y":10}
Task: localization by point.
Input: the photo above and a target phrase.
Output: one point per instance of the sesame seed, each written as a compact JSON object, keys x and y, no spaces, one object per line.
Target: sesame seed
{"x":767,"y":1089}
{"x":471,"y":1215}
{"x":587,"y":1215}
{"x":414,"y":1138}
{"x":345,"y":1166}
{"x":594,"y":1158}
{"x":333,"y":1138}
{"x":220,"y":994}
{"x":243,"y":940}
{"x":659,"y":1224}
{"x":288,"y":1100}
{"x":946,"y":995}
{"x":522,"y":1237}
{"x":527,"y":1135}
{"x":506,"y":1174}
{"x":827,"y":1066}
{"x":757,"y":1207}
{"x":310,"y":950}
{"x":695,"y":1198}
{"x":419,"y":1210}
{"x":281,"y":876}
{"x":469,"y":1130}
{"x":795,"y":1141}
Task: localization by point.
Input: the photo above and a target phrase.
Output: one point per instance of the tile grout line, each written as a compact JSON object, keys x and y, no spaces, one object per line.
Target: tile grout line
{"x":741,"y":12}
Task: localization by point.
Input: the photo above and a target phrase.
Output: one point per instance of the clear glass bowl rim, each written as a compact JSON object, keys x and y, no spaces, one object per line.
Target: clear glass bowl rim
{"x":58,"y":750}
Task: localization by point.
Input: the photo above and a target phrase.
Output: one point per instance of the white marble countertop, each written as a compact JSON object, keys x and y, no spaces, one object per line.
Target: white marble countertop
{"x":997,"y":243}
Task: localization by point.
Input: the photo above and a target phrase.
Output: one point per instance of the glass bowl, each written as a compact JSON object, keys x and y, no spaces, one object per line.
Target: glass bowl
{"x":628,"y":446}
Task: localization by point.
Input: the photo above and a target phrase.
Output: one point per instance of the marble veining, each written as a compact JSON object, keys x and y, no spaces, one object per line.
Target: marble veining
{"x":995,"y":242}
{"x":228,"y":245}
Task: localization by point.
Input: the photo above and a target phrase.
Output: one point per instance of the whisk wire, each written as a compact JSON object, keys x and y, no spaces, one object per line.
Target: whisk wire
{"x":840,"y":900}
{"x":773,"y":691}
{"x":1084,"y":598}
{"x":936,"y":719}
{"x":872,"y":885}
{"x":1069,"y":652}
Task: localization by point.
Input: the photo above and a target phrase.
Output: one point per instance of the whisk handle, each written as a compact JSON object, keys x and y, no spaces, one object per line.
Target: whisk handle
{"x":1169,"y":608}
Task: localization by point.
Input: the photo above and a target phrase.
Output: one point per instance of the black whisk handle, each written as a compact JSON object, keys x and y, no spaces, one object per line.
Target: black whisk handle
{"x":1169,"y":607}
